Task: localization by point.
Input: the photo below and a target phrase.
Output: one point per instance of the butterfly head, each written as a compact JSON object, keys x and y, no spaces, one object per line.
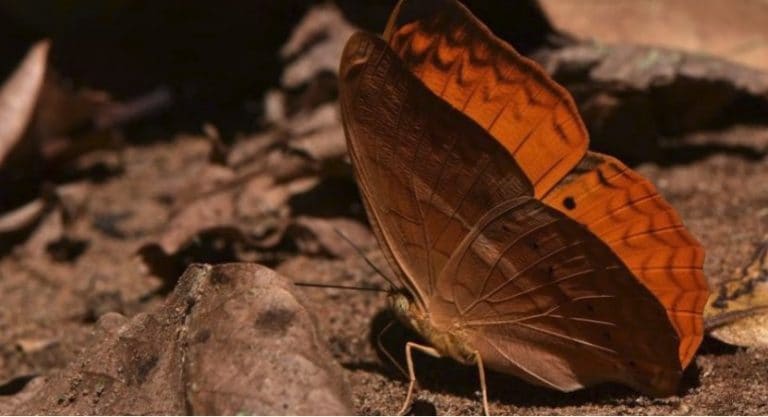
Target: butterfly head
{"x":402,"y":306}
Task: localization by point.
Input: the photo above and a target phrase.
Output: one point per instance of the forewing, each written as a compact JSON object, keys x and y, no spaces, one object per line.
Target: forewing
{"x":423,"y":178}
{"x":460,"y":60}
{"x":627,"y":213}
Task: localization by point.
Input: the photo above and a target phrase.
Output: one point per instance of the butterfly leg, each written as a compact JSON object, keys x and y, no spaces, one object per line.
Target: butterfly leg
{"x":483,"y":386}
{"x":386,"y":352}
{"x":411,"y":373}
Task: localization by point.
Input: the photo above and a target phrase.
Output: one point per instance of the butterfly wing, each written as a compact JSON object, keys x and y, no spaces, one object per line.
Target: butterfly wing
{"x":541,"y":297}
{"x":532,"y":290}
{"x":461,"y":61}
{"x":422,"y":188}
{"x":627,"y":213}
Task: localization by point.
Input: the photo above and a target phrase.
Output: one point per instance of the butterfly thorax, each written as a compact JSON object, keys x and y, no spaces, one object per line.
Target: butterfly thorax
{"x":450,"y":340}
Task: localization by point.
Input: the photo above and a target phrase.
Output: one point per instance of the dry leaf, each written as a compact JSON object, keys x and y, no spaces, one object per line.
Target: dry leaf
{"x":33,"y":345}
{"x":632,"y":97}
{"x":315,"y":45}
{"x":22,"y":217}
{"x":737,"y":313}
{"x":170,"y":361}
{"x":736,"y":31}
{"x":49,"y":213}
{"x":319,"y":236}
{"x":255,"y":210}
{"x":205,"y":213}
{"x":19,"y":96}
{"x":50,"y":229}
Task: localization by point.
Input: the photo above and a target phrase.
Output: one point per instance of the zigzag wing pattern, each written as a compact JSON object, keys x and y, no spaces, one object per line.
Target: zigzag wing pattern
{"x":460,"y":60}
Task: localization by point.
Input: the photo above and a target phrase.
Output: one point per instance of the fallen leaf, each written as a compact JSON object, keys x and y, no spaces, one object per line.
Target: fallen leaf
{"x":738,"y":32}
{"x":737,"y":313}
{"x":254,"y":211}
{"x":323,"y":117}
{"x":211,"y":210}
{"x":30,"y":346}
{"x":170,"y":361}
{"x":46,"y":214}
{"x":318,"y":134}
{"x":249,"y":150}
{"x":22,"y":217}
{"x":63,"y":109}
{"x":634,"y":97}
{"x":319,"y":236}
{"x":50,"y":229}
{"x":315,"y":45}
{"x":19,"y":96}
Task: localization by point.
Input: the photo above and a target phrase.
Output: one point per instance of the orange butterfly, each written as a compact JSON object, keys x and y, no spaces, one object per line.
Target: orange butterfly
{"x":517,"y":249}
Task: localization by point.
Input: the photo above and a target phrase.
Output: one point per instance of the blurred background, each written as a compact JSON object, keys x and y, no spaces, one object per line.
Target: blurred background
{"x":137,"y":137}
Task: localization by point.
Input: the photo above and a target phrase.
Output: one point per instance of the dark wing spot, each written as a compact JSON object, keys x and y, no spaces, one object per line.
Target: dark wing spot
{"x":569,"y":203}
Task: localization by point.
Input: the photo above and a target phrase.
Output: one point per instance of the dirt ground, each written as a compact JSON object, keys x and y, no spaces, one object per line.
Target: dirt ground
{"x":113,"y":226}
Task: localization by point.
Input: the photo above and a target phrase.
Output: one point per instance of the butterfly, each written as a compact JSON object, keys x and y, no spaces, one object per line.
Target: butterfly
{"x":515,"y":248}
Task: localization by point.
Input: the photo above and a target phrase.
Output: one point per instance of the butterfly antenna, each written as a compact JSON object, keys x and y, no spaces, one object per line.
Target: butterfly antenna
{"x":359,"y":251}
{"x":339,"y":287}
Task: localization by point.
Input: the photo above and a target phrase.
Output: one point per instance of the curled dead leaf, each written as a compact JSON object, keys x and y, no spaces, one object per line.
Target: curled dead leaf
{"x":43,"y":218}
{"x":19,"y":96}
{"x":315,"y":45}
{"x":737,"y":32}
{"x":34,"y":345}
{"x":635,"y":98}
{"x":252,"y":211}
{"x":22,"y":217}
{"x":169,"y":361}
{"x":737,"y":313}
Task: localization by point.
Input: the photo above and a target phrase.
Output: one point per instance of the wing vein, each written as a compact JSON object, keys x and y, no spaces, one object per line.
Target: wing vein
{"x":486,"y":163}
{"x":509,"y":247}
{"x":519,"y":273}
{"x":533,"y":374}
{"x":568,"y":338}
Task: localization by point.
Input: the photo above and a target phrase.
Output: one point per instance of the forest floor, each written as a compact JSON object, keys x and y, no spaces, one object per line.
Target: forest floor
{"x":127,"y":220}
